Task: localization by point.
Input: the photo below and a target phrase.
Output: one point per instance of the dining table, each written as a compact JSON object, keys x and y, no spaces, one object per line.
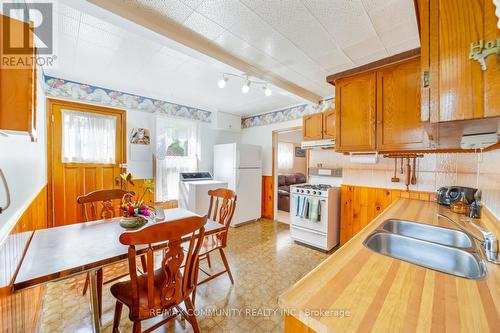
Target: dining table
{"x":62,"y":252}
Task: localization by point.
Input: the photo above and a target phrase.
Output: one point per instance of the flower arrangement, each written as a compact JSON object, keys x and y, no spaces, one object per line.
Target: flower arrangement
{"x":133,"y":206}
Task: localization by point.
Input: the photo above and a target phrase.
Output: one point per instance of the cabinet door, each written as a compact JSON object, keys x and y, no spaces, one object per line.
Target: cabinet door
{"x":312,"y":127}
{"x":456,"y":81}
{"x":398,"y":108}
{"x":355,"y":108}
{"x":17,"y":84}
{"x":329,"y":124}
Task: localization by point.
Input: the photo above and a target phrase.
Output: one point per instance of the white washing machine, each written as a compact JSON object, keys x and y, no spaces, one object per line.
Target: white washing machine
{"x":193,"y":191}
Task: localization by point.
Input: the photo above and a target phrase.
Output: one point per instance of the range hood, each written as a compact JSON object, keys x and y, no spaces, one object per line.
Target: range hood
{"x":328,"y":143}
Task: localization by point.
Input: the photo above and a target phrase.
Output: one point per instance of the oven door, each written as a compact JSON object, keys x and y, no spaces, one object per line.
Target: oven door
{"x":321,"y":225}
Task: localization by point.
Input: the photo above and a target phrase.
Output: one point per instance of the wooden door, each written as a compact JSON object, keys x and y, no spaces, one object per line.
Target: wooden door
{"x":356,"y":112}
{"x":329,"y":124}
{"x":456,"y":81}
{"x":68,"y":180}
{"x":17,"y":82}
{"x":312,"y":127}
{"x":398,"y":108}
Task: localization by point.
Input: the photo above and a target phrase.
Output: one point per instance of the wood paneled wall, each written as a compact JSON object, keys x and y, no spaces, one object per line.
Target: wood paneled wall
{"x":267,"y":197}
{"x":19,"y":312}
{"x":360,"y":205}
{"x":138,"y":188}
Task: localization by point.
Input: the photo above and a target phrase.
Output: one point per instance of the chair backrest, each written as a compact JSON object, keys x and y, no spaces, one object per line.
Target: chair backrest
{"x":169,"y":286}
{"x":221,"y":209}
{"x":91,"y":200}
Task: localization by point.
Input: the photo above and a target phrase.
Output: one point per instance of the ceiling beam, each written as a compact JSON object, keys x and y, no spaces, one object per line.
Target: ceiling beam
{"x":183,"y":35}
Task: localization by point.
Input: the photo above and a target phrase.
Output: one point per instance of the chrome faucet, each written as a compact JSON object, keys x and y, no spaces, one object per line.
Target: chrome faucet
{"x":489,"y":242}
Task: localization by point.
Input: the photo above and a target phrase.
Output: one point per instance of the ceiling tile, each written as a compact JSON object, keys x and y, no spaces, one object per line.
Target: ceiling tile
{"x":369,"y":45}
{"x":203,"y":26}
{"x":293,"y":20}
{"x":99,"y":37}
{"x":333,"y":58}
{"x":346,"y":21}
{"x":399,"y":35}
{"x":230,"y":42}
{"x":68,"y":26}
{"x":392,"y":15}
{"x":404,"y":46}
{"x":192,"y":3}
{"x":101,"y":24}
{"x":68,"y":11}
{"x":226,"y":13}
{"x":371,"y":57}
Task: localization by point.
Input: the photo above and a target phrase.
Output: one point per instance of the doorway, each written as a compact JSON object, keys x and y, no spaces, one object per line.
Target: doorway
{"x":85,"y":152}
{"x":290,"y":168}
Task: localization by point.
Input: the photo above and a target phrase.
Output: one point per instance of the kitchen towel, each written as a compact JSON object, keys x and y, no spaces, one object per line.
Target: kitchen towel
{"x":301,"y":206}
{"x":315,"y":210}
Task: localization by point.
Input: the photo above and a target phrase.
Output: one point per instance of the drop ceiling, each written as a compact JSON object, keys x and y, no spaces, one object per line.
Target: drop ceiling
{"x":299,"y":41}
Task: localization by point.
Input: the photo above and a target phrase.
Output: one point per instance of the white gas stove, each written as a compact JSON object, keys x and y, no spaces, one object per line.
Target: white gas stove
{"x":315,"y":215}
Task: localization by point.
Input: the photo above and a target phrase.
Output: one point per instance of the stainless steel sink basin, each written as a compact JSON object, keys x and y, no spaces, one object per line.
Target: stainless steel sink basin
{"x":439,"y":257}
{"x":441,"y":235}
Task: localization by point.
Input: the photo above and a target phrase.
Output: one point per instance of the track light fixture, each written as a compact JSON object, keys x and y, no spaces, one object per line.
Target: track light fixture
{"x":268,"y":92}
{"x":246,"y":87}
{"x":222,"y":82}
{"x":247,"y":82}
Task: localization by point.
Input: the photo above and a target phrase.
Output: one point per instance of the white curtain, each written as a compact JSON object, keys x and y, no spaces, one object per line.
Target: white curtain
{"x":176,"y":151}
{"x":88,"y":137}
{"x":285,"y":155}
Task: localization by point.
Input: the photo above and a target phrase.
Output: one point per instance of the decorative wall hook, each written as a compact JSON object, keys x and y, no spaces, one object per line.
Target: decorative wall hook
{"x":480,"y":50}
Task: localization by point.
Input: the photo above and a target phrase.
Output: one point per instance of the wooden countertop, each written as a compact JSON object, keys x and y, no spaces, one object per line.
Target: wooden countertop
{"x":381,"y":294}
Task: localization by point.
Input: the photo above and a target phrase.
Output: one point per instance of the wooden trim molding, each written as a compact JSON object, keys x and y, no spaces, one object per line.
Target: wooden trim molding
{"x":267,"y":197}
{"x":375,"y":65}
{"x":20,"y":311}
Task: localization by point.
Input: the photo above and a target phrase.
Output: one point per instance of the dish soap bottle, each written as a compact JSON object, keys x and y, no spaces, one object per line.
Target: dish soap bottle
{"x":459,"y":206}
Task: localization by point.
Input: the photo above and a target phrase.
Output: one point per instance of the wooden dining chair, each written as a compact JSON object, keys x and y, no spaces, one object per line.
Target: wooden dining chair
{"x":98,"y":205}
{"x":158,"y":292}
{"x":221,"y":210}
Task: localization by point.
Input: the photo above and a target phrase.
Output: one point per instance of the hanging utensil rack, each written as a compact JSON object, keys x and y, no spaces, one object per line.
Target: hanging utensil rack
{"x":411,"y":177}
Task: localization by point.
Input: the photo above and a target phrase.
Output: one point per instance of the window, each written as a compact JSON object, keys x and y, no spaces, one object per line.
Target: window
{"x":176,"y":151}
{"x":285,"y":155}
{"x":88,"y":137}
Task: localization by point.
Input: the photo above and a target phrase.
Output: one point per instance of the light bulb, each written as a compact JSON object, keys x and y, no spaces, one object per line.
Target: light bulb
{"x":222,"y":82}
{"x":268,"y":92}
{"x":246,"y":87}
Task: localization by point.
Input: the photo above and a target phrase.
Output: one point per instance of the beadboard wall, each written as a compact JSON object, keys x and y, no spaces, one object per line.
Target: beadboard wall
{"x":433,"y":171}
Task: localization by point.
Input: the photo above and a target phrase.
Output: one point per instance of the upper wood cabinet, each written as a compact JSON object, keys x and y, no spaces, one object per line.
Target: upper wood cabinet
{"x":329,"y":124}
{"x":17,"y":86}
{"x":398,"y":104}
{"x":356,"y":112}
{"x":458,"y":89}
{"x":380,"y":110}
{"x":312,"y":127}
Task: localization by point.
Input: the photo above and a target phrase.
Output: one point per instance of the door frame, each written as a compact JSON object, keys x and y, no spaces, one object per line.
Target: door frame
{"x":275,"y":165}
{"x":50,"y":142}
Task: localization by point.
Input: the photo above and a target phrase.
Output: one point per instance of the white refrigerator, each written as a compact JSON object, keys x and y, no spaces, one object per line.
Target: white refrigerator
{"x":240,"y":166}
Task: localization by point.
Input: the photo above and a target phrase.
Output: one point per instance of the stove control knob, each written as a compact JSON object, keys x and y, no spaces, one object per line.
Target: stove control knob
{"x":308,"y":191}
{"x":314,"y":192}
{"x":301,"y":191}
{"x":319,"y":192}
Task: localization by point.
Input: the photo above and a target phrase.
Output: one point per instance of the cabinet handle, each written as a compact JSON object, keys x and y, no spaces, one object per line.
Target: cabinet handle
{"x":426,"y":79}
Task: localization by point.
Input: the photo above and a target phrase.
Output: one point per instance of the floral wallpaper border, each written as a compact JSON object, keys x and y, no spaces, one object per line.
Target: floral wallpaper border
{"x":291,"y":113}
{"x":56,"y":87}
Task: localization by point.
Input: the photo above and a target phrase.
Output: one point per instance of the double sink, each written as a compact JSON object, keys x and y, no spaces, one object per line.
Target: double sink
{"x":442,"y":249}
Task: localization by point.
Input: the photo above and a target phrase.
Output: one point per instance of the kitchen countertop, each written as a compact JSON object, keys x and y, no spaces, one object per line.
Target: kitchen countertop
{"x":366,"y":291}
